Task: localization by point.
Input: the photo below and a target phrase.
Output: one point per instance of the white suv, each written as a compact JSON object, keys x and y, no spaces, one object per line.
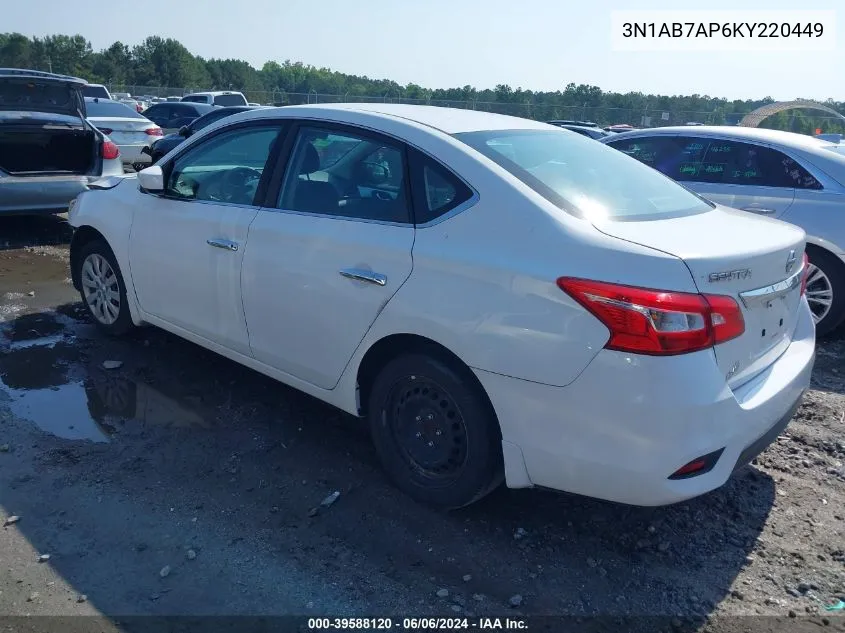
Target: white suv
{"x":224,"y":98}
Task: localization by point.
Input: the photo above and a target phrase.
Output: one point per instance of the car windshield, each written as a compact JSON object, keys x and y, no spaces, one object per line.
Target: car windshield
{"x":111,"y":109}
{"x":586,"y":178}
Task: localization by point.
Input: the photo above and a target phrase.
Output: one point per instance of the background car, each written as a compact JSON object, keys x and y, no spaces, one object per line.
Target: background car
{"x":219,"y":98}
{"x":162,"y":146}
{"x":788,"y":176}
{"x":48,"y":154}
{"x":170,"y":116}
{"x":130,"y":130}
{"x":498,"y":299}
{"x":594,"y":131}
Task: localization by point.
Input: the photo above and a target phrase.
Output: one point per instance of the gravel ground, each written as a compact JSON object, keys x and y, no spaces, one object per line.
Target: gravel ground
{"x":180,"y":483}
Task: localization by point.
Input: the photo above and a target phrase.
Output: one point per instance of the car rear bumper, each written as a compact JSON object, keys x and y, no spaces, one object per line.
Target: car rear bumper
{"x":628,"y":422}
{"x":40,"y":194}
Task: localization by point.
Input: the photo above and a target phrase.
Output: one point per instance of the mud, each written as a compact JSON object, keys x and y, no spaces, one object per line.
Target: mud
{"x":118,"y":473}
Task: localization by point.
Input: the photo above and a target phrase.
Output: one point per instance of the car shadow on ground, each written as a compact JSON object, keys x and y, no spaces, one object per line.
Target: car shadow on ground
{"x":20,"y":231}
{"x":182,"y":459}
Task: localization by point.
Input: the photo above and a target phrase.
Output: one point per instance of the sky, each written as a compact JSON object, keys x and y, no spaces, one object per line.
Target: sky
{"x":533,"y":44}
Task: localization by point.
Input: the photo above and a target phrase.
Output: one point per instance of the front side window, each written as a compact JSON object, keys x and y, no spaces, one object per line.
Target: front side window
{"x":583,"y":177}
{"x":347,"y":175}
{"x":195,"y":99}
{"x":207,"y":119}
{"x":226,"y":168}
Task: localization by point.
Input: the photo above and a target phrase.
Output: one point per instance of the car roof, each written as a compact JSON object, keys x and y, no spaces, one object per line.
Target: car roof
{"x":39,"y":74}
{"x":448,"y":120}
{"x":214,"y":93}
{"x":790,"y":139}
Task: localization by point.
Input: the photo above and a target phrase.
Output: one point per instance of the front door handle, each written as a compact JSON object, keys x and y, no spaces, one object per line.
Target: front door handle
{"x":225,"y":244}
{"x":364,"y":275}
{"x":760,"y":210}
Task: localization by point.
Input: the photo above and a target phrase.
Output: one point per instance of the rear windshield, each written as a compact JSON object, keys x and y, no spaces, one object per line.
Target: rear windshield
{"x":111,"y":108}
{"x":96,"y":91}
{"x":229,"y":100}
{"x":586,"y":178}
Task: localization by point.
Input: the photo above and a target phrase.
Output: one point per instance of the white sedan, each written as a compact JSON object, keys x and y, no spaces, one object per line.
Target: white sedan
{"x":501,"y":299}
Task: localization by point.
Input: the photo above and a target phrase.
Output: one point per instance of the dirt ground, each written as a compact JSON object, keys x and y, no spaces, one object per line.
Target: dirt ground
{"x":181,"y":483}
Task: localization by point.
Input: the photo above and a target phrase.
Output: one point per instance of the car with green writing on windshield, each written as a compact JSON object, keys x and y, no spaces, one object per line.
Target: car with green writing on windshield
{"x":792,"y":177}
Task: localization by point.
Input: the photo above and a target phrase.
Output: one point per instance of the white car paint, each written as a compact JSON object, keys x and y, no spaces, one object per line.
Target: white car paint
{"x":818,"y":211}
{"x":480,"y":282}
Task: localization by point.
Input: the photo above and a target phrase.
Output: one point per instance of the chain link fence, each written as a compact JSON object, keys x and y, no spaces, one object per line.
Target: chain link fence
{"x":603,"y":115}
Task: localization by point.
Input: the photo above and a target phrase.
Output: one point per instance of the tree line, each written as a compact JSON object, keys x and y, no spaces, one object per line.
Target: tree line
{"x":165,"y":62}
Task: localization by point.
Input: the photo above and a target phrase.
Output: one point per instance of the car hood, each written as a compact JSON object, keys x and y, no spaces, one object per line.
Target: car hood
{"x":34,"y":93}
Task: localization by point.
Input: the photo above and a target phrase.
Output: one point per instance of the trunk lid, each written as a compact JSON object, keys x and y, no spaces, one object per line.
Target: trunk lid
{"x":124,"y":131}
{"x":756,"y":261}
{"x":34,"y":91}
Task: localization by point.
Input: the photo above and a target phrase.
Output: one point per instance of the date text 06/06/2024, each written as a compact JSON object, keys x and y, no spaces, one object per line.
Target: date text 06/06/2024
{"x":416,"y":624}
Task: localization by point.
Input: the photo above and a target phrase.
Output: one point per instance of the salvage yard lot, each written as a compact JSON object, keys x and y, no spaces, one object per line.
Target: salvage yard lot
{"x":183,"y":483}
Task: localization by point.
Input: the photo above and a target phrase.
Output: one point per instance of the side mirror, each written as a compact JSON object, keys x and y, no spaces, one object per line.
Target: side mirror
{"x":185,"y":131}
{"x":151,"y":179}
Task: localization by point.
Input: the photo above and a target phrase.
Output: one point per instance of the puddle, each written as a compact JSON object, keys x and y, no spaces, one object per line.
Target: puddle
{"x":43,"y":379}
{"x":61,"y":411}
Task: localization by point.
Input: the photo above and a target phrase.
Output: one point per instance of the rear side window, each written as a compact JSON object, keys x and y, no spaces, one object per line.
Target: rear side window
{"x":585,"y":178}
{"x":229,"y":100}
{"x":111,"y":109}
{"x":436,"y":190}
{"x":195,"y":99}
{"x":736,"y":163}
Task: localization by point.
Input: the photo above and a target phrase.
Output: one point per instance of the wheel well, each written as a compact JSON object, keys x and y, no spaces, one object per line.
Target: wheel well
{"x":81,"y":236}
{"x":390,"y":347}
{"x":823,"y":251}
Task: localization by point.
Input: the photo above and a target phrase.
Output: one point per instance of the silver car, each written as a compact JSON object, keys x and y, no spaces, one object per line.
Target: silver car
{"x":788,"y":176}
{"x":49,"y":152}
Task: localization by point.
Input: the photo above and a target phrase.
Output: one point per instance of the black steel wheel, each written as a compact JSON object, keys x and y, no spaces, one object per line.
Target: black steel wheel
{"x":435,"y":431}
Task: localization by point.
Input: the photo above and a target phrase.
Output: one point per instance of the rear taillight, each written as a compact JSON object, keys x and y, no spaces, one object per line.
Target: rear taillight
{"x":154,"y":131}
{"x":657,"y":322}
{"x":139,"y":107}
{"x":805,"y":275}
{"x":109,"y":150}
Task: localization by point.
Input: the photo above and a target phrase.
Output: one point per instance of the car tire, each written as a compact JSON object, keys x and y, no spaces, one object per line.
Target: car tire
{"x":102,"y":289}
{"x":435,"y":431}
{"x":831,"y":279}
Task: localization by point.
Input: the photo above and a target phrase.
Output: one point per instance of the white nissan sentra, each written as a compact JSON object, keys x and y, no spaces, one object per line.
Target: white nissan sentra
{"x":501,"y":299}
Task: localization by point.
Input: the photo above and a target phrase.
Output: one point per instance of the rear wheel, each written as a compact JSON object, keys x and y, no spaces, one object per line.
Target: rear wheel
{"x":435,"y":431}
{"x":825,"y":290}
{"x":102,"y":289}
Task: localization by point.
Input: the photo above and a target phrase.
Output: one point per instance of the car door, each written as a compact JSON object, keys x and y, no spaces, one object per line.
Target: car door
{"x":741,"y":175}
{"x":324,"y":262}
{"x":186,"y":245}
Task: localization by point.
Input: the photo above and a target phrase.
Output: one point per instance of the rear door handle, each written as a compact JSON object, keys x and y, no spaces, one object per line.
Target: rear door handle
{"x":364,"y":275}
{"x":760,"y":210}
{"x":224,"y":244}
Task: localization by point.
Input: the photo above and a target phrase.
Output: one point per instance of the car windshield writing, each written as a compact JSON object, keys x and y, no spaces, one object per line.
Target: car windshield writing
{"x":584,"y":177}
{"x":111,"y":109}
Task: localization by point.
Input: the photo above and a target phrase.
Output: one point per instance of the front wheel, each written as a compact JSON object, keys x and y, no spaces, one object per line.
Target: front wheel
{"x":435,"y":431}
{"x":102,"y":289}
{"x":825,"y":290}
